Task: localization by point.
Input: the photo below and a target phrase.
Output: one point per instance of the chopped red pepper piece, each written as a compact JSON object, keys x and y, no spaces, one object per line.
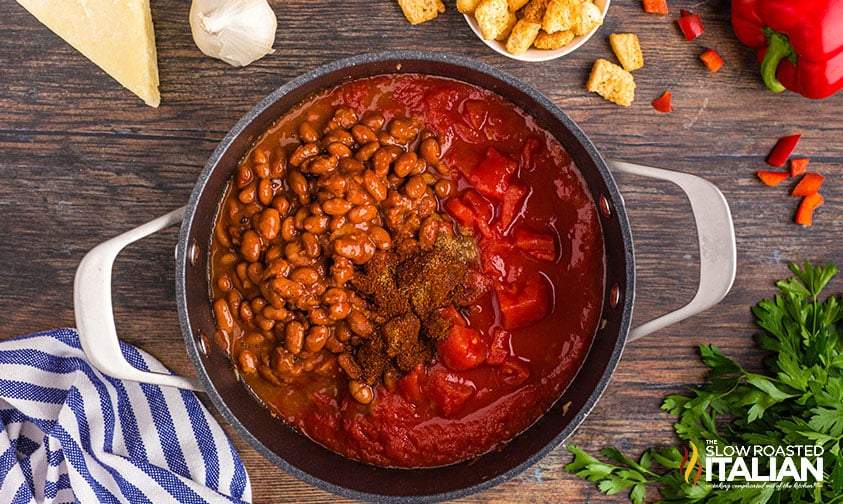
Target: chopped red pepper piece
{"x":805,"y":212}
{"x":810,"y":184}
{"x":772,"y":178}
{"x":662,"y":103}
{"x":712,"y":60}
{"x":691,"y":25}
{"x":655,"y":6}
{"x":798,"y":166}
{"x":783,"y":149}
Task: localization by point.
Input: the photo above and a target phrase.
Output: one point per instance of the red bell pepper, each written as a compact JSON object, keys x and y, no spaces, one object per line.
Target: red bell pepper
{"x":799,"y":43}
{"x":810,"y":184}
{"x":783,"y":149}
{"x":712,"y":60}
{"x":798,"y":166}
{"x":805,"y":212}
{"x":690,"y":24}
{"x":772,"y":178}
{"x":655,"y":6}
{"x":662,"y":103}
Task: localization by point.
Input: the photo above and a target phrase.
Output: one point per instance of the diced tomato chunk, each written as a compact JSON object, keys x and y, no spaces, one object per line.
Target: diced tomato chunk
{"x":513,"y":371}
{"x":491,"y":176}
{"x":541,"y":246}
{"x":464,"y":348}
{"x":523,"y":304}
{"x":412,"y":384}
{"x":476,"y":112}
{"x":511,"y":206}
{"x":495,"y":258}
{"x":482,"y":207}
{"x":451,"y":313}
{"x":499,"y":349}
{"x":460,"y":211}
{"x":449,"y":392}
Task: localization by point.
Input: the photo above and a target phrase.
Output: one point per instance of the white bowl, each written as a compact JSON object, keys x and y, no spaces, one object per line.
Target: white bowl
{"x":534,"y":54}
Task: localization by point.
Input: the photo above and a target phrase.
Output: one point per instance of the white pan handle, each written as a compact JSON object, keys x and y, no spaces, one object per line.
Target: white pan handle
{"x":716,"y":234}
{"x":95,"y":316}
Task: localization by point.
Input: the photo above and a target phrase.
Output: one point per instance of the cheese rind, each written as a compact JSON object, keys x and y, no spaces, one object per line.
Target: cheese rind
{"x":117,"y":35}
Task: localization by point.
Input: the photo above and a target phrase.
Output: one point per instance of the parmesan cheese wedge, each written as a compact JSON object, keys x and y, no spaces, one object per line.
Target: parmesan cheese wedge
{"x":117,"y":35}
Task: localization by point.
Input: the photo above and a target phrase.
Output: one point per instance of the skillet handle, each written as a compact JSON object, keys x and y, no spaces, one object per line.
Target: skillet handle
{"x":95,"y":316}
{"x":716,"y":234}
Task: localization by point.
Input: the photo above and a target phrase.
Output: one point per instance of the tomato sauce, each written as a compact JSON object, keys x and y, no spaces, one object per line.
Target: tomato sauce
{"x":513,"y":352}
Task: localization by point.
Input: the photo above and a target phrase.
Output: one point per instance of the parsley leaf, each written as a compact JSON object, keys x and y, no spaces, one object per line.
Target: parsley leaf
{"x":797,"y":400}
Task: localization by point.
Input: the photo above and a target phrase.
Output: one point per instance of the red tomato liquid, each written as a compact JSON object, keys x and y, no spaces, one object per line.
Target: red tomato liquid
{"x":437,"y":415}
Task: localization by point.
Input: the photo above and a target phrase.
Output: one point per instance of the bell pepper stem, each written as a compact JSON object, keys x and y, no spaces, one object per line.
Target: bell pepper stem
{"x":778,"y":48}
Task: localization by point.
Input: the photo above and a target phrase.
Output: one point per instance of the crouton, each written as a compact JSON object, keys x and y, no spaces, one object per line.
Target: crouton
{"x":522,"y":36}
{"x":467,"y":6}
{"x":628,"y":50}
{"x":534,"y":10}
{"x":561,"y":15}
{"x":419,"y":11}
{"x":514,"y":5}
{"x":494,"y":19}
{"x":556,"y":40}
{"x":590,"y":18}
{"x":612,"y":82}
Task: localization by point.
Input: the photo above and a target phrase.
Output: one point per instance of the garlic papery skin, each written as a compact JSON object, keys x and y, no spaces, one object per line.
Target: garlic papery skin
{"x":235,"y":31}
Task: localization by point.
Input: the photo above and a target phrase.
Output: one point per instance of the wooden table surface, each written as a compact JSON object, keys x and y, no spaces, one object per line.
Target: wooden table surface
{"x":82,"y":159}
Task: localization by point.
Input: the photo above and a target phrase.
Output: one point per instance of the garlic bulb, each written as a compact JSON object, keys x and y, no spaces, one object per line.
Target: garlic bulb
{"x":235,"y":31}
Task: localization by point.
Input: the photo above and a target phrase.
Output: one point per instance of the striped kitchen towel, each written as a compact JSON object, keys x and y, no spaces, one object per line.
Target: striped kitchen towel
{"x":72,"y":434}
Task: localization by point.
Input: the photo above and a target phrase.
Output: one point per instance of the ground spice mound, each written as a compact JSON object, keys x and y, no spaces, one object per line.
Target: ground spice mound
{"x":406,"y":288}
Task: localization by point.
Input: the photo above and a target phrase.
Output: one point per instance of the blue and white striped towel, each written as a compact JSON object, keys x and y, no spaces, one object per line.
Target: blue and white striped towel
{"x":72,"y":434}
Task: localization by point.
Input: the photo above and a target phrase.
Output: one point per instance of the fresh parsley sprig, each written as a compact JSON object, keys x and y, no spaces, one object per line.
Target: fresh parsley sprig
{"x":797,"y":400}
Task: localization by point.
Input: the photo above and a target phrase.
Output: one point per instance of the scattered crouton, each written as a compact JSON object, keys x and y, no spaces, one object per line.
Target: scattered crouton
{"x":628,"y":50}
{"x":555,"y":40}
{"x":514,"y":5}
{"x":419,"y":11}
{"x":522,"y":36}
{"x":612,"y":82}
{"x":561,"y":15}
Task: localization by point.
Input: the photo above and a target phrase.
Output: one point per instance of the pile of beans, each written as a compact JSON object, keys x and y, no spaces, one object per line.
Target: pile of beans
{"x":296,"y":223}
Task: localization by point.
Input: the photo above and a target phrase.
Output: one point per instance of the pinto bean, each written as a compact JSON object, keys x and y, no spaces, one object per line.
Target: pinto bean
{"x":361,"y":392}
{"x":250,"y":246}
{"x":269,"y":223}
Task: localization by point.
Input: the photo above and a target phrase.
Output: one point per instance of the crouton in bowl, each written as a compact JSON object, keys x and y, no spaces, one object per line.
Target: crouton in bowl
{"x":534,"y":30}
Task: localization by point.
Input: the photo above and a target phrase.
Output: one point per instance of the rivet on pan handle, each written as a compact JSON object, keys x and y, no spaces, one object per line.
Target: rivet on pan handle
{"x":716,"y":234}
{"x":95,"y":316}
